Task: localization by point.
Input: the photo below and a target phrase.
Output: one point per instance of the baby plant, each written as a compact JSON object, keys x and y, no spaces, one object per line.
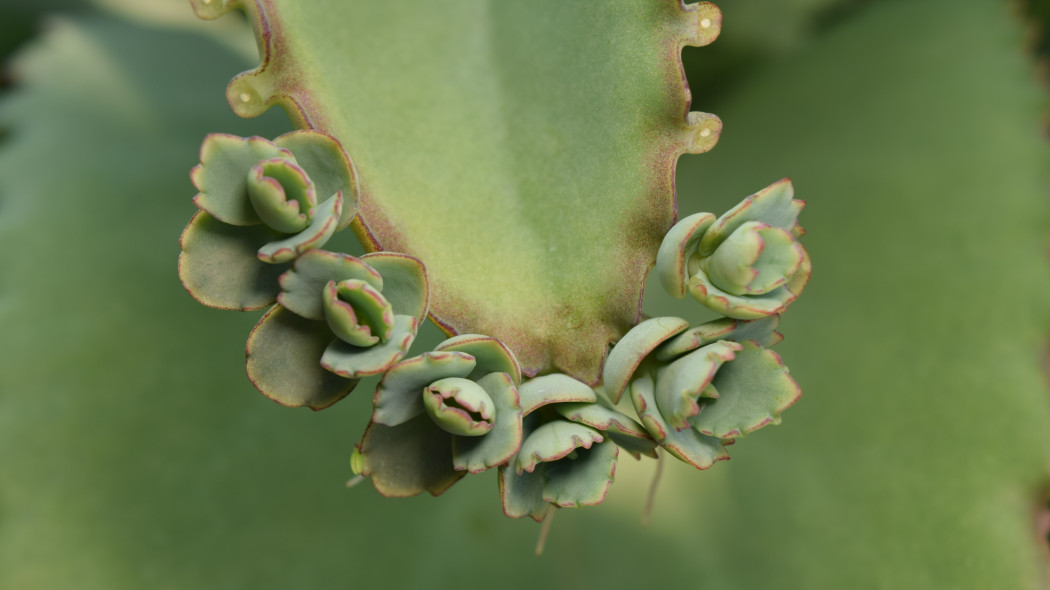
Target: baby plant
{"x":531,"y":242}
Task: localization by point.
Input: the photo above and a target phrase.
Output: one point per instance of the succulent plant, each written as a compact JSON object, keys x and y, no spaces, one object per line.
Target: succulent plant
{"x":441,"y":415}
{"x":352,"y":317}
{"x":698,"y":389}
{"x":259,"y":209}
{"x":572,"y":439}
{"x":746,"y":264}
{"x":456,"y":409}
{"x":848,"y":494}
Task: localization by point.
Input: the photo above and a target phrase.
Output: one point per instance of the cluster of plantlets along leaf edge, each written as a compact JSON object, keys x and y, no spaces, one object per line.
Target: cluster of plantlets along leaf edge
{"x":267,"y":208}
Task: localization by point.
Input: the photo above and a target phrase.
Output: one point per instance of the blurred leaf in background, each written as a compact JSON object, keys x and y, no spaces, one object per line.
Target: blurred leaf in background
{"x":135,"y":454}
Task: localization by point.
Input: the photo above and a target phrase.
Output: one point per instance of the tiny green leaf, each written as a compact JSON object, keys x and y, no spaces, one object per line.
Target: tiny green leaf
{"x":408,"y":459}
{"x":321,"y":228}
{"x":498,"y":446}
{"x":554,"y":440}
{"x":699,"y":450}
{"x":491,"y":355}
{"x":673,"y":257}
{"x":554,"y":389}
{"x":583,"y":480}
{"x":754,"y":259}
{"x":219,"y":268}
{"x":284,"y":353}
{"x":682,"y":382}
{"x":353,"y":362}
{"x":460,"y":406}
{"x":621,"y":429}
{"x":399,"y":396}
{"x":522,"y":493}
{"x":222,"y":176}
{"x":753,"y":390}
{"x":327,"y":165}
{"x":632,"y":349}
{"x":773,"y":205}
{"x":357,"y":312}
{"x":404,"y":284}
{"x":282,"y":195}
{"x":763,"y":331}
{"x":302,"y":286}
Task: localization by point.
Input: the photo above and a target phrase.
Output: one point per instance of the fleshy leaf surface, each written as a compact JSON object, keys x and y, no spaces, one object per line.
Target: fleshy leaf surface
{"x":753,"y":389}
{"x":491,"y":355}
{"x":554,"y":389}
{"x":284,"y":361}
{"x":219,"y":267}
{"x":409,"y":459}
{"x":699,"y":450}
{"x":467,"y":187}
{"x":478,"y":453}
{"x":353,"y":362}
{"x":582,"y":481}
{"x":554,"y":440}
{"x":399,"y":396}
{"x":303,"y":284}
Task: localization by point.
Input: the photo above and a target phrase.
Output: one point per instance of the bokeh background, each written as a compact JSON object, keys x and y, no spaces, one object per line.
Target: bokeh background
{"x":135,"y":454}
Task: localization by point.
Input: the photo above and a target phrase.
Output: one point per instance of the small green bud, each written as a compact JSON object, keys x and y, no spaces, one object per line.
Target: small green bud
{"x":282,"y":194}
{"x":755,"y":259}
{"x":357,"y":312}
{"x":460,"y":406}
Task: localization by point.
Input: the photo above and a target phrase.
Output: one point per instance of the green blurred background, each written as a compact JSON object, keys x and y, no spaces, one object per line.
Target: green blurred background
{"x":135,"y":454}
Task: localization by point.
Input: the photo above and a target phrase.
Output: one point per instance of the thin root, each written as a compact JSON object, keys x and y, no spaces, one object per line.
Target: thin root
{"x":647,"y":514}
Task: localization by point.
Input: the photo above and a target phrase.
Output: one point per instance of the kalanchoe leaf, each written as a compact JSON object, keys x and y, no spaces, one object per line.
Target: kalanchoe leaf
{"x":751,"y":306}
{"x":600,"y":418}
{"x":357,"y":312}
{"x":222,"y":176}
{"x":302,"y":287}
{"x":283,"y":353}
{"x":354,"y":362}
{"x":522,"y":494}
{"x":554,"y":389}
{"x":408,"y":459}
{"x":754,"y":259}
{"x":774,"y":205}
{"x":219,"y":268}
{"x":753,"y":390}
{"x":405,"y":282}
{"x":554,"y":440}
{"x":324,"y":223}
{"x":682,"y":382}
{"x":282,"y":195}
{"x":620,"y":429}
{"x":492,"y":356}
{"x":328,"y":166}
{"x":460,"y":406}
{"x":763,"y":331}
{"x":673,"y":256}
{"x":632,"y":349}
{"x":747,"y":264}
{"x":583,"y":480}
{"x":399,"y":395}
{"x":699,"y":450}
{"x":498,"y":446}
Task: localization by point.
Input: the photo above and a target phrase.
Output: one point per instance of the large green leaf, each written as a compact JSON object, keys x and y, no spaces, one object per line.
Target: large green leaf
{"x":523,"y":151}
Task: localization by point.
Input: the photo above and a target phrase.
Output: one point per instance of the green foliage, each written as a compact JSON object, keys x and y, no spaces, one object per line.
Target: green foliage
{"x":134,"y":454}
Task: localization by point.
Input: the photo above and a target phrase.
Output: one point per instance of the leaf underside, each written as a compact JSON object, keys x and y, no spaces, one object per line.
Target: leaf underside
{"x":536,"y":199}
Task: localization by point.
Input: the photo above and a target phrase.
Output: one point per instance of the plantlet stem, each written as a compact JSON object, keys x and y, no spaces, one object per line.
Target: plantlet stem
{"x":647,"y":514}
{"x":355,"y":480}
{"x":545,"y":530}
